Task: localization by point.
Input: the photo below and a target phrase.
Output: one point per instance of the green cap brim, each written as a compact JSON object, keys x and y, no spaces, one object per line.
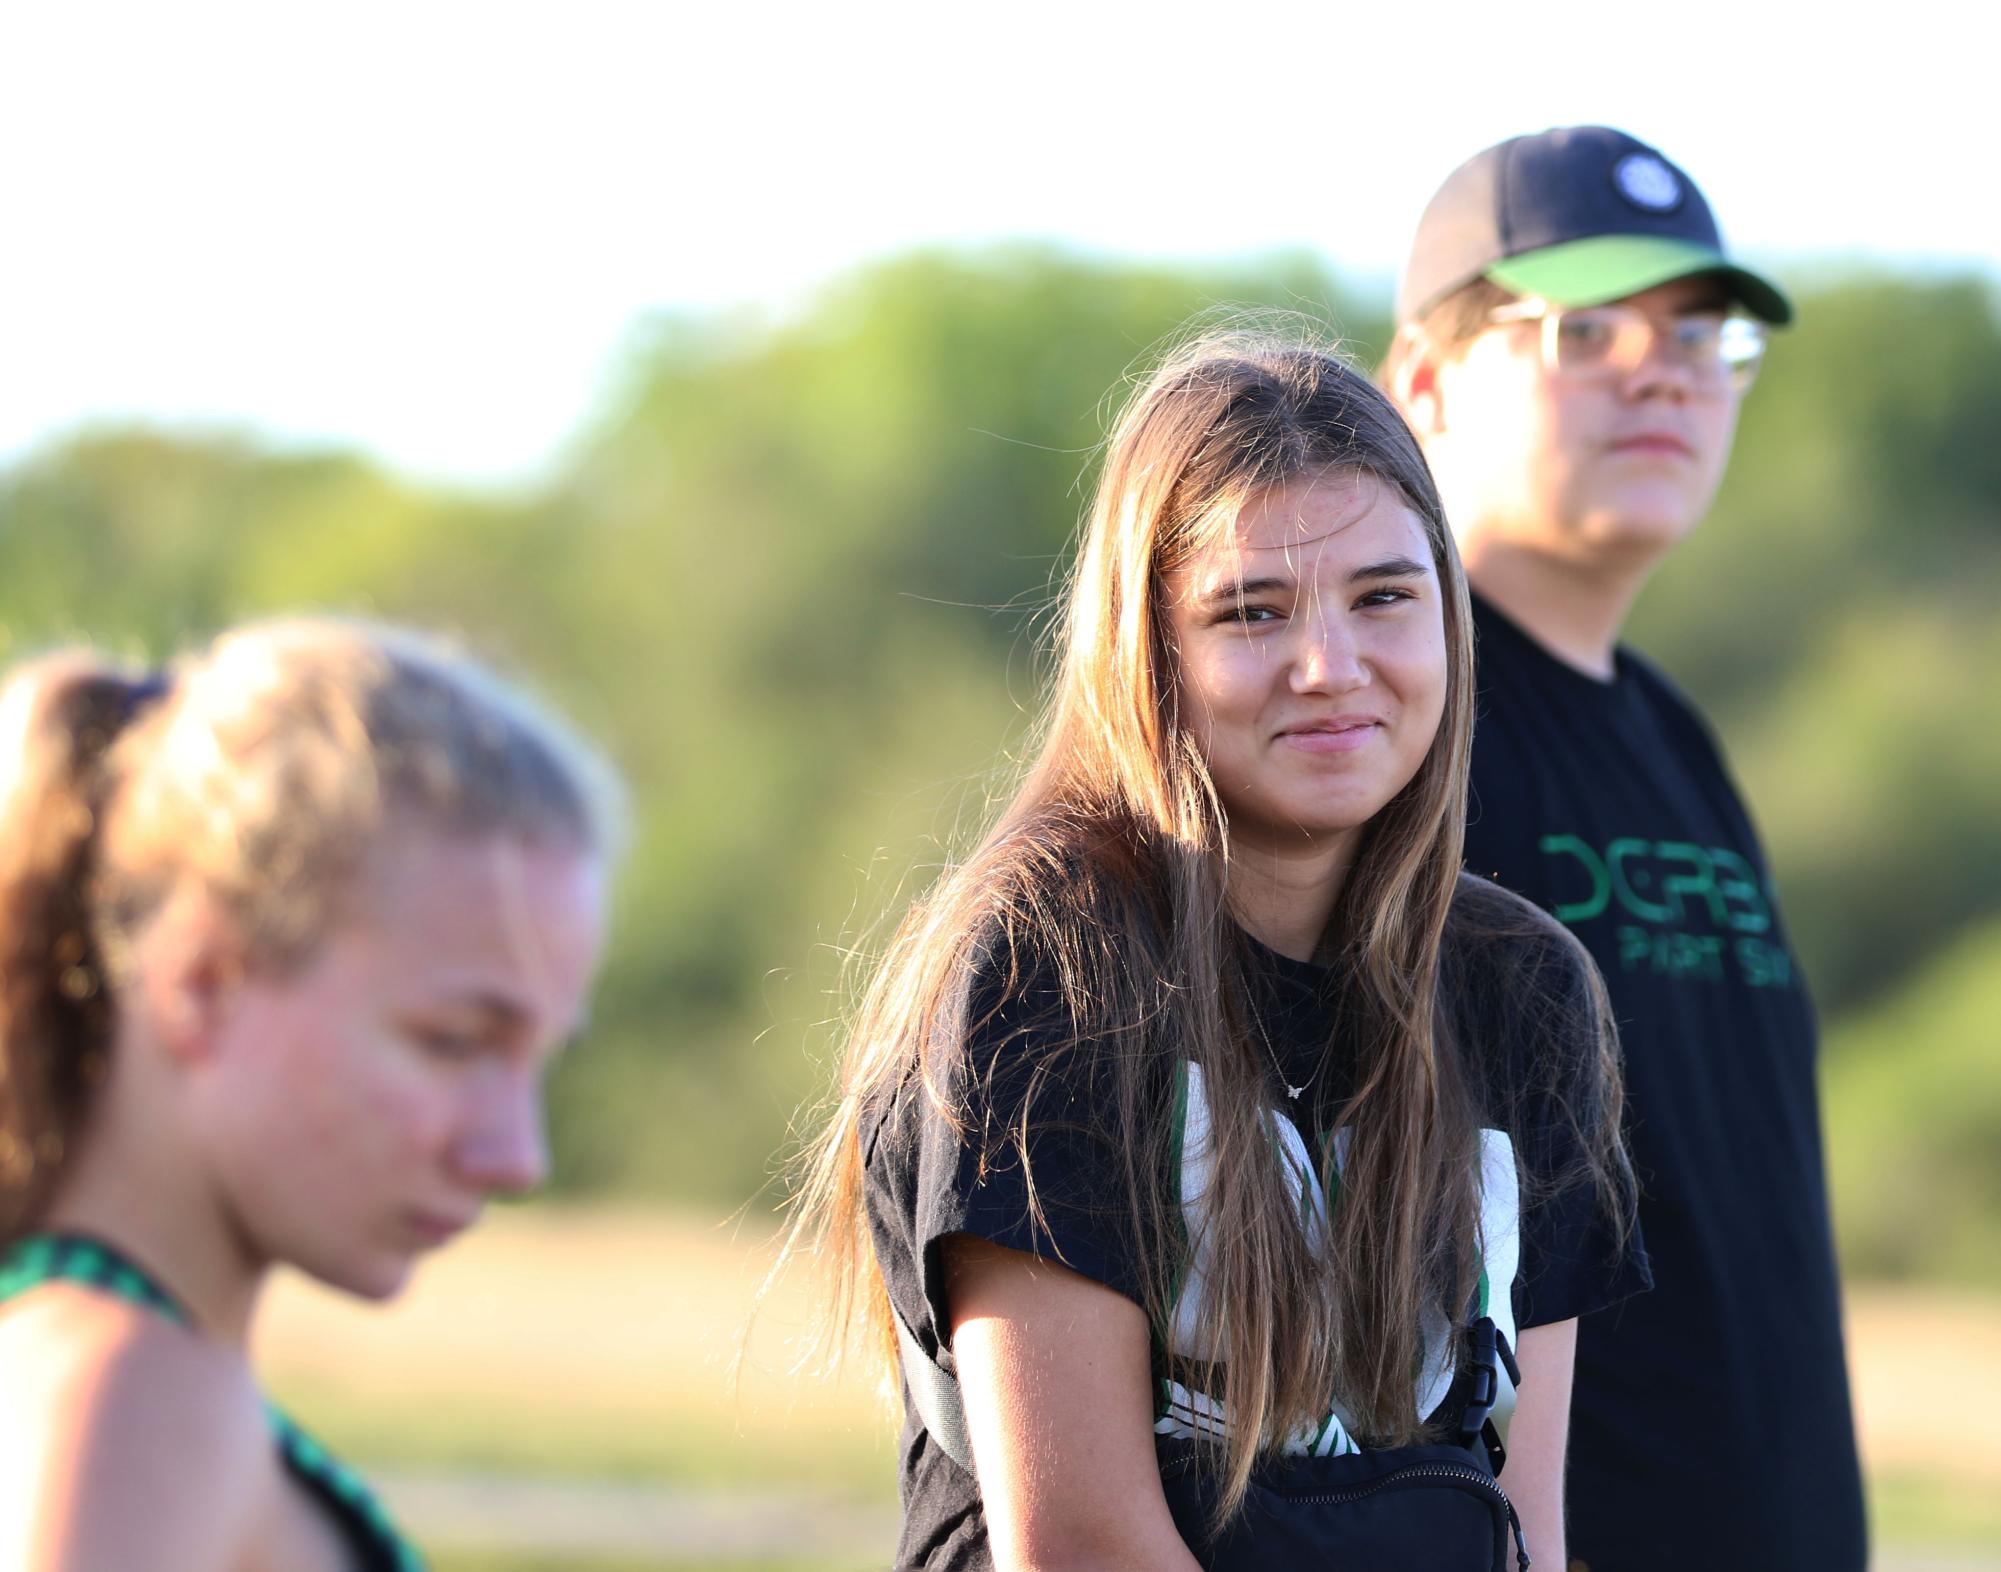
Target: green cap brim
{"x":1601,"y":268}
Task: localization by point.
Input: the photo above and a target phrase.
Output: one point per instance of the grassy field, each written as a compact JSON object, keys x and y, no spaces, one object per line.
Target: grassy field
{"x":563,"y":1376}
{"x":587,"y":1344}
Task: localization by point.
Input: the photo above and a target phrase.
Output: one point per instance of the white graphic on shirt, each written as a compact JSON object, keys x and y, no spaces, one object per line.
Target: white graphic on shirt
{"x":1187,"y":1413}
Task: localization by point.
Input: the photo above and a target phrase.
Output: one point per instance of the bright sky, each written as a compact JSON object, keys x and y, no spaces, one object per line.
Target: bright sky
{"x":426,"y":228}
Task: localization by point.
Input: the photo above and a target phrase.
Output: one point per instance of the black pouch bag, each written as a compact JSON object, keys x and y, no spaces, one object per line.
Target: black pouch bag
{"x":1405,"y":1509}
{"x":1435,"y":1508}
{"x":1432,"y":1508}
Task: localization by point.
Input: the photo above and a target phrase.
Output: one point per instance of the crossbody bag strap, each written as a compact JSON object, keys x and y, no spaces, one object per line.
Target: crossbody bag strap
{"x":935,"y":1396}
{"x":1510,"y":1376}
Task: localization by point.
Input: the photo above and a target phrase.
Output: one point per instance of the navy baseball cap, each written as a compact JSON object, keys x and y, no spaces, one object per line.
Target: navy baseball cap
{"x":1577,"y":216}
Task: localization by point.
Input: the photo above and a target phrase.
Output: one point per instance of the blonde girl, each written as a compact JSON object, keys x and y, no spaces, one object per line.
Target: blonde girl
{"x":289,"y":933}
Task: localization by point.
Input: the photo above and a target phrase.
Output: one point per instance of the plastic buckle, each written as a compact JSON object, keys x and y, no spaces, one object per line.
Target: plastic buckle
{"x":1483,"y":1366}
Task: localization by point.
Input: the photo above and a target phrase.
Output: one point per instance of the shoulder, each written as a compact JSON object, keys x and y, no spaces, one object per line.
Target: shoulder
{"x":1491,"y":928}
{"x":1671,"y":706}
{"x":1528,"y":1018}
{"x":1063,"y":974}
{"x":106,"y":1401}
{"x":1647,"y":676}
{"x":1035,"y":950}
{"x":1521,"y":994}
{"x":1074,"y":927}
{"x":111,"y":1357}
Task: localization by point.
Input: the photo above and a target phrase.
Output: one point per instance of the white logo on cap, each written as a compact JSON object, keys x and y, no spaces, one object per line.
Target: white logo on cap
{"x":1645,"y":181}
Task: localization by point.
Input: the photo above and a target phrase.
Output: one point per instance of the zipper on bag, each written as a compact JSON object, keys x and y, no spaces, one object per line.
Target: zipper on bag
{"x":1471,"y":1476}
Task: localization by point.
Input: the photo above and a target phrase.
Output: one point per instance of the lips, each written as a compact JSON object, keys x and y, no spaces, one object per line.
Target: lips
{"x":436,"y":1227}
{"x":1656,"y":442}
{"x":1335,"y":734}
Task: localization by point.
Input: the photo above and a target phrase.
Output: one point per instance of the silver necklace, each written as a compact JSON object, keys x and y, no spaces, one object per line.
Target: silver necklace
{"x":1292,"y":1092}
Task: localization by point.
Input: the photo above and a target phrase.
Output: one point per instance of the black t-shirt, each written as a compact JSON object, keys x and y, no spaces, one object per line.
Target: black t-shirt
{"x":926,"y":1180}
{"x":1711,"y":1424}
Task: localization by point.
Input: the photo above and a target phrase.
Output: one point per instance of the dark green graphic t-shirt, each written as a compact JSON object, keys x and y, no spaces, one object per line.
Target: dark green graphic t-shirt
{"x":1711,"y":1425}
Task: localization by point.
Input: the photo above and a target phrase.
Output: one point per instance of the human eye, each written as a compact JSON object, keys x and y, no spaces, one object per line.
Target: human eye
{"x":1386,"y":595}
{"x":1249,"y":613}
{"x":448,"y":1043}
{"x":1586,"y":334}
{"x":1699,"y":333}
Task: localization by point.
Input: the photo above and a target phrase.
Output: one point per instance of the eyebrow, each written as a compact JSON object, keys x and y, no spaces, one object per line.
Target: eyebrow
{"x":1396,"y":567}
{"x":1243,"y":589}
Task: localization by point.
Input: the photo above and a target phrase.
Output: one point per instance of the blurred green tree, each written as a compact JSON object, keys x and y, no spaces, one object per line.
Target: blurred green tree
{"x":796,"y":569}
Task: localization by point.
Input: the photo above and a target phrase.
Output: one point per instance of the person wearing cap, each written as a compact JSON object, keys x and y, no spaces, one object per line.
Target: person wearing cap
{"x":1573,"y":344}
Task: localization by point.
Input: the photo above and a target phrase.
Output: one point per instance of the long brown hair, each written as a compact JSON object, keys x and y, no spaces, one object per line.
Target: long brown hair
{"x":1110,"y":862}
{"x":265,"y":767}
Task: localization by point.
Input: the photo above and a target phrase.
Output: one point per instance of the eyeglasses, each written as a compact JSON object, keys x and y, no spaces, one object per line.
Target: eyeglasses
{"x":1586,"y":343}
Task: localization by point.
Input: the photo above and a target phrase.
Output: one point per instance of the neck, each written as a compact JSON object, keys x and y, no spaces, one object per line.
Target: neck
{"x":1574,"y":611}
{"x":1284,"y":895}
{"x":123,"y":1186}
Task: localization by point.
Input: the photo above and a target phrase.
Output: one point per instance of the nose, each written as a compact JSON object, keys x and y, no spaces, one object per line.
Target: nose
{"x":502,"y":1146}
{"x":1329,"y":658}
{"x":1660,"y":373}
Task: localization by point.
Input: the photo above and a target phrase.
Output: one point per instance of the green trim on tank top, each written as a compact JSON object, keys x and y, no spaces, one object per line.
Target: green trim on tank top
{"x":73,"y":1258}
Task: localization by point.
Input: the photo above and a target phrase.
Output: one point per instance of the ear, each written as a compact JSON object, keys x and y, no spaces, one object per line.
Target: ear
{"x":192,"y":966}
{"x":1415,"y":363}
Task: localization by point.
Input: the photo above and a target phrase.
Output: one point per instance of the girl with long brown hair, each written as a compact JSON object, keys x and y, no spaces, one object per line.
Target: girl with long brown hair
{"x":1195,"y":1122}
{"x":288,"y":935}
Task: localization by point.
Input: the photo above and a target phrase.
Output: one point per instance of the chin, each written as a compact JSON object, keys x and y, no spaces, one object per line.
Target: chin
{"x":1304,"y":824}
{"x":1667,"y":507}
{"x":1644,"y":528}
{"x":376,"y":1277}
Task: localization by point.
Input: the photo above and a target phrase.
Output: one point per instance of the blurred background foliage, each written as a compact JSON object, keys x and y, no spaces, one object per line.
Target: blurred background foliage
{"x":795,"y":571}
